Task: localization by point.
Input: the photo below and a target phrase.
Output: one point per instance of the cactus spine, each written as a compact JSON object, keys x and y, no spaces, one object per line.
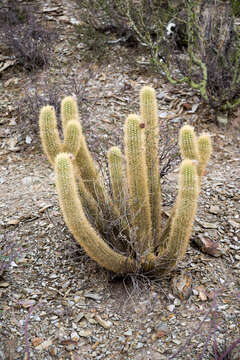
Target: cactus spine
{"x":137,"y":241}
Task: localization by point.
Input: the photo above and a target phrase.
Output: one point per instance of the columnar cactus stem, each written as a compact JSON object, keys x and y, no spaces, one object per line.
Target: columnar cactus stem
{"x":138,"y":182}
{"x":149,"y":116}
{"x":205,"y":150}
{"x":188,"y":143}
{"x":185,"y":209}
{"x":72,"y":137}
{"x":90,"y":174}
{"x":51,"y":142}
{"x":69,"y":111}
{"x":78,"y":224}
{"x":115,"y":163}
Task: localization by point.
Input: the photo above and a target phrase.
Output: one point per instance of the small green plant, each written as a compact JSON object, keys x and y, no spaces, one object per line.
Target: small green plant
{"x":124,"y":232}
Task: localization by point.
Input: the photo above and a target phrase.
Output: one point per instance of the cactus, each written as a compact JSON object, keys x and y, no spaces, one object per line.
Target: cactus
{"x":124,"y":232}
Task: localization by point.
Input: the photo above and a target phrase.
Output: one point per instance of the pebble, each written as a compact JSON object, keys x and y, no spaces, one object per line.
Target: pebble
{"x":77,"y":298}
{"x":93,"y":296}
{"x":75,"y":336}
{"x":177,"y":302}
{"x":70,"y":347}
{"x":162,"y":327}
{"x":214,"y":209}
{"x":85,"y":333}
{"x":128,"y":332}
{"x":171,"y":307}
{"x":178,"y":342}
{"x":104,"y":323}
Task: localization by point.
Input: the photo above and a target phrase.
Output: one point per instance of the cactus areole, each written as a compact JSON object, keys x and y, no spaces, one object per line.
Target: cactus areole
{"x":122,"y":229}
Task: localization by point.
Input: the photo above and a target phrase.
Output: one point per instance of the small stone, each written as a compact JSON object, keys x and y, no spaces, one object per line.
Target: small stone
{"x":77,"y":298}
{"x":202,"y":293}
{"x":85,"y":333}
{"x":171,"y":307}
{"x":4,"y":284}
{"x":53,"y":276}
{"x":70,"y":347}
{"x":177,"y":302}
{"x":93,"y":296}
{"x":95,"y":345}
{"x":178,"y":342}
{"x":208,"y":246}
{"x":182,"y":286}
{"x":44,"y":345}
{"x":13,"y":221}
{"x":105,"y":323}
{"x":28,"y":303}
{"x":161,"y":331}
{"x":53,"y":350}
{"x":36,"y":341}
{"x":128,"y":332}
{"x":13,"y":264}
{"x":75,"y":336}
{"x":163,"y":327}
{"x":214,"y":209}
{"x":28,"y":139}
{"x":208,"y":225}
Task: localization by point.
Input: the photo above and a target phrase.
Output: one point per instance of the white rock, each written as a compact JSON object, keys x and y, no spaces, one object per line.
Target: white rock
{"x":171,"y":307}
{"x":75,"y":336}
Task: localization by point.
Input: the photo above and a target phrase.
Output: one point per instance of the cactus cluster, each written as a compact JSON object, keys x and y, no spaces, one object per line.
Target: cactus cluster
{"x":122,"y":230}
